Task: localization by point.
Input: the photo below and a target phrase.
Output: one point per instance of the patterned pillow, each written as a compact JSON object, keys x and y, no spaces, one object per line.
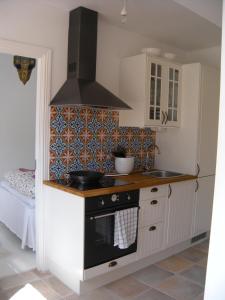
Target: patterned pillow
{"x":22,"y":181}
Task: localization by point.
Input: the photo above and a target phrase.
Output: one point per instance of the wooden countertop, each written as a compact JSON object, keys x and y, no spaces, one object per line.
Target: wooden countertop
{"x":135,"y":181}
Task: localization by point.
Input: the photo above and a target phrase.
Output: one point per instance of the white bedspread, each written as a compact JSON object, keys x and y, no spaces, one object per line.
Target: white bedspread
{"x":18,"y":214}
{"x":27,"y":200}
{"x":22,"y":180}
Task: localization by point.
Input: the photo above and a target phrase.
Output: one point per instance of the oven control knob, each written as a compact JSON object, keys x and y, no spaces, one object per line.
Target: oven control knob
{"x":101,"y":202}
{"x":114,"y":198}
{"x":128,"y":197}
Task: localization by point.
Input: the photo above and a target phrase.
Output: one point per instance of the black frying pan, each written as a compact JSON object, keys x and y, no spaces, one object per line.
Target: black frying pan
{"x":85,"y":177}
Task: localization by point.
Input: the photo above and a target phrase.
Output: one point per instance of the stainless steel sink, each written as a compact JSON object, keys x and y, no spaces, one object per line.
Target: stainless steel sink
{"x":162,"y":174}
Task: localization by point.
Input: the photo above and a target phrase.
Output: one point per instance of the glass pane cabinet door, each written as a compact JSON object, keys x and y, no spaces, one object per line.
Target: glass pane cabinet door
{"x":172,"y":106}
{"x":155,"y":92}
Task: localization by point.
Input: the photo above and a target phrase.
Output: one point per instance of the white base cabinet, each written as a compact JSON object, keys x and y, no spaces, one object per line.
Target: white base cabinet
{"x":151,"y":225}
{"x":150,"y":239}
{"x":165,"y":227}
{"x":203,"y":205}
{"x":180,"y":210}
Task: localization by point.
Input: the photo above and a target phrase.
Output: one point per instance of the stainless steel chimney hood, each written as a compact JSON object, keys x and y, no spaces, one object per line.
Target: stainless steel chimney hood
{"x":80,"y":87}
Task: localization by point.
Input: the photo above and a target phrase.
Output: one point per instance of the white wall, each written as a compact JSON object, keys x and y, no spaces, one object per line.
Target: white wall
{"x":215,"y":287}
{"x":17,"y":117}
{"x":210,"y":56}
{"x":40,"y":25}
{"x":209,"y":9}
{"x":32,"y":22}
{"x":115,"y":43}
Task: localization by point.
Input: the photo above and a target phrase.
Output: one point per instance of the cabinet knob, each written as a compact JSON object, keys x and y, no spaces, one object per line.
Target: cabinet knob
{"x":170,"y":191}
{"x":154,"y":202}
{"x":154,"y":190}
{"x":112,"y":264}
{"x":163,"y":117}
{"x":152,"y":228}
{"x":197,"y":186}
{"x":198,"y":170}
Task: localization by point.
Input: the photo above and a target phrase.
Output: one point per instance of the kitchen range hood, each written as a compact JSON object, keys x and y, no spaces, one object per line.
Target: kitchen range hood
{"x":80,"y":87}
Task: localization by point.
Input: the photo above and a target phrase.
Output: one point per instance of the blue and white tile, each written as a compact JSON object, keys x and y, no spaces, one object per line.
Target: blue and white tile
{"x":59,"y":124}
{"x":58,"y":147}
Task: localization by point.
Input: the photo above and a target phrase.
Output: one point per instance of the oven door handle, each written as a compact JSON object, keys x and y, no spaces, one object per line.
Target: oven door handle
{"x":102,"y":216}
{"x":105,"y":215}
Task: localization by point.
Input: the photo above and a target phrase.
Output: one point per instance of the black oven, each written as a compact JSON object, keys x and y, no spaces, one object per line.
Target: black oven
{"x":99,"y":227}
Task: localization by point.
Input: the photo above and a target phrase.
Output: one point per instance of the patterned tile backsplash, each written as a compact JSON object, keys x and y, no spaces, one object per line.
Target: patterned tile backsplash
{"x":83,"y":138}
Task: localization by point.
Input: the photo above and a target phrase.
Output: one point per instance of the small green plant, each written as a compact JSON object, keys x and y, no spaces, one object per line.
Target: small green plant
{"x":119,"y":152}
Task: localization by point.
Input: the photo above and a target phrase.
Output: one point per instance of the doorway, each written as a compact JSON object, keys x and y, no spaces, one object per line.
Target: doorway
{"x":43,"y":65}
{"x":17,"y":168}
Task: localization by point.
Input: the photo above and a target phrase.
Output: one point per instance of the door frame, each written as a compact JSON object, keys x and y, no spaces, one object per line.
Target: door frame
{"x":42,"y":131}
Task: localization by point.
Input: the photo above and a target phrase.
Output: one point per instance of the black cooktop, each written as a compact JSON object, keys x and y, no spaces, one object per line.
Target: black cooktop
{"x":105,"y":182}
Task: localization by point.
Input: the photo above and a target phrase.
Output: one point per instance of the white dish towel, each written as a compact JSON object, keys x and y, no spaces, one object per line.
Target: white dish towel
{"x":125,"y":227}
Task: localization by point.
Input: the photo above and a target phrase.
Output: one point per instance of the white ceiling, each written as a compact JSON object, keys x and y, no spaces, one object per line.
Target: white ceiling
{"x":164,"y":20}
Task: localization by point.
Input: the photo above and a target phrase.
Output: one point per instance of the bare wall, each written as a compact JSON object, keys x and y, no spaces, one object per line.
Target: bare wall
{"x":17,"y":118}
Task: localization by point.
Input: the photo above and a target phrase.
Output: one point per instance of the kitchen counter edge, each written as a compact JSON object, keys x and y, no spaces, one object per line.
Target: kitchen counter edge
{"x":136,"y":181}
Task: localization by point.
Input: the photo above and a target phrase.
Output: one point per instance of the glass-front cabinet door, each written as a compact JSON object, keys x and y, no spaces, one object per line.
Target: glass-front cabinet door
{"x":172,"y":98}
{"x":154,"y":92}
{"x":162,"y":101}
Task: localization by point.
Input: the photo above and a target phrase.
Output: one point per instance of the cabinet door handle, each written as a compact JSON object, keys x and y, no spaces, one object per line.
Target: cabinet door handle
{"x":166,"y":113}
{"x":170,"y":191}
{"x":197,"y":186}
{"x":152,"y":228}
{"x":163,"y":114}
{"x":154,"y":202}
{"x":198,"y":170}
{"x":154,"y":190}
{"x":113,"y":264}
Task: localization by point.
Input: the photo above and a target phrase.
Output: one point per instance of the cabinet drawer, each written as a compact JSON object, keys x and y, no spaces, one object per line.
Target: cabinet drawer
{"x":109,"y":266}
{"x":152,"y":211}
{"x":154,"y":192}
{"x":150,"y":239}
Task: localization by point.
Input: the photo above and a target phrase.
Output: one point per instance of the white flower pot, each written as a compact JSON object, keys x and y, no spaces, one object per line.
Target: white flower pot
{"x":124,"y":164}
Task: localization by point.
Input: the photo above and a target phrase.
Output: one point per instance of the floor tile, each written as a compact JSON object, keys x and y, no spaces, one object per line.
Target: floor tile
{"x":11,"y":254}
{"x":180,"y":289}
{"x":4,"y":252}
{"x":196,"y":274}
{"x":6,"y":269}
{"x":45,"y":290}
{"x":193,"y":254}
{"x":200,"y":297}
{"x":153,"y":295}
{"x":127,"y":287}
{"x":17,"y":280}
{"x":175,"y":263}
{"x":203,"y":262}
{"x":152,"y":275}
{"x":98,"y":294}
{"x":58,"y":286}
{"x":41,"y":275}
{"x":7,"y":294}
{"x":204,"y":246}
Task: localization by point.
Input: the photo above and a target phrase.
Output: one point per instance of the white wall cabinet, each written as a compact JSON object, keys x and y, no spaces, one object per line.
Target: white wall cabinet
{"x":195,"y":142}
{"x":203,"y":205}
{"x":180,"y":210}
{"x":151,"y":87}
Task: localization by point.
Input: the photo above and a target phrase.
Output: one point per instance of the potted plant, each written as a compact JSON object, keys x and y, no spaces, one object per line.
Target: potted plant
{"x":123,"y":164}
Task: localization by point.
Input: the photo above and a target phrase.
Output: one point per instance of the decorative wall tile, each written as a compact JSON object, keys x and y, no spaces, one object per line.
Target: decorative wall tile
{"x":84,"y":137}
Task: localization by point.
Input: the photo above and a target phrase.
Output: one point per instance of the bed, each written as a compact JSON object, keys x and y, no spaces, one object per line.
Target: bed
{"x":17,"y":212}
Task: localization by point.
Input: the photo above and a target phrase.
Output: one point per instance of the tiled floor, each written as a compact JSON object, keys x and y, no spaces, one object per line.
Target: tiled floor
{"x":180,"y":277}
{"x":13,"y":259}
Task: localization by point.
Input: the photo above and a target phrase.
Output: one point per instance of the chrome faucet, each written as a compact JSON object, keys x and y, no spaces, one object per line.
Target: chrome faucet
{"x":151,"y":148}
